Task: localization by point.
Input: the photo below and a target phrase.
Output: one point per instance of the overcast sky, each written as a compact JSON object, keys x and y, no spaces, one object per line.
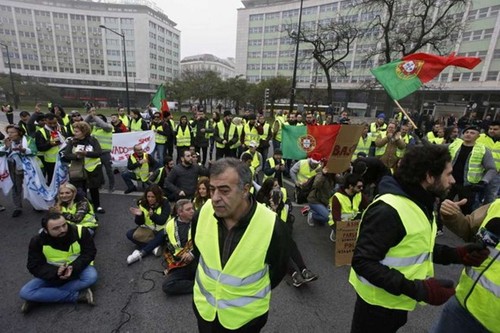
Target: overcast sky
{"x":206,"y":26}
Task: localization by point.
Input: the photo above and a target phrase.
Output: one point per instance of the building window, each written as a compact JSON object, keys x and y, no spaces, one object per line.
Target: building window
{"x":492,"y":76}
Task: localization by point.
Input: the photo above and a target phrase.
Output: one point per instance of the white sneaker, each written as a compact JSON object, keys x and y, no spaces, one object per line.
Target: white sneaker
{"x":310,"y":220}
{"x":135,"y":256}
{"x":157,"y":251}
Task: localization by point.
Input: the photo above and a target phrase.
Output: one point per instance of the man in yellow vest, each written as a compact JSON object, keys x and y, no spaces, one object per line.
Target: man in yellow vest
{"x":257,"y":160}
{"x":49,"y":140}
{"x":473,"y":168}
{"x":265,"y":136}
{"x":226,"y":137}
{"x":103,"y":132}
{"x":141,"y":166}
{"x":181,"y":262}
{"x":124,"y":117}
{"x":158,"y":126}
{"x":274,"y":167}
{"x":60,"y":257}
{"x":392,"y":267}
{"x":364,"y":143}
{"x":476,"y":306}
{"x":378,"y":125}
{"x":279,"y":120}
{"x":492,"y":141}
{"x":183,"y":136}
{"x":232,"y":290}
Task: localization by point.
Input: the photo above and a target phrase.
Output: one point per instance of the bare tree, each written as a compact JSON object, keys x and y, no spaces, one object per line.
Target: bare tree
{"x":329,"y":44}
{"x":403,"y":27}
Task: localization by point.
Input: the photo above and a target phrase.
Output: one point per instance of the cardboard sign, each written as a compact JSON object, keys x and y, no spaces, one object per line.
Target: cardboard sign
{"x":347,"y":232}
{"x":344,"y":147}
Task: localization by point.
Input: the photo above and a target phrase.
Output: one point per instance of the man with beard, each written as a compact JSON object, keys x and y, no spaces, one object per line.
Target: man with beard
{"x":182,"y":181}
{"x":60,"y":257}
{"x":201,"y":128}
{"x":392,"y":267}
{"x":49,"y":140}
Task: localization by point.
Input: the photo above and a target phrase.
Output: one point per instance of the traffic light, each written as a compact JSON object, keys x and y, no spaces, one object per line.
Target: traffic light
{"x":266,"y":93}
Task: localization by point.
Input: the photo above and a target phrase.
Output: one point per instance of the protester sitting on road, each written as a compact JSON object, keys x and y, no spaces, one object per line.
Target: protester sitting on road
{"x":61,"y":259}
{"x":150,"y":216}
{"x":160,"y":174}
{"x":181,"y":263}
{"x":84,"y":148}
{"x":141,"y":166}
{"x":275,"y":198}
{"x":302,"y":171}
{"x":319,"y":198}
{"x":75,"y":207}
{"x":15,"y":146}
{"x":202,"y":193}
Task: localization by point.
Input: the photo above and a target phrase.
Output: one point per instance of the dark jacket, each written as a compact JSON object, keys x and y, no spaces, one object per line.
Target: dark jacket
{"x":322,"y":189}
{"x":200,"y":138}
{"x":95,"y":178}
{"x":42,"y":143}
{"x":37,"y":263}
{"x":277,"y":253}
{"x":184,"y":178}
{"x":381,"y":229}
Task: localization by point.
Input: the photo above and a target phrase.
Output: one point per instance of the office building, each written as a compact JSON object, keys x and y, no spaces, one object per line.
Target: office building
{"x":209,"y":62}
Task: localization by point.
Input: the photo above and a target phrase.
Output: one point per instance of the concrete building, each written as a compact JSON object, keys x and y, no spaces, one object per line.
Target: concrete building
{"x":264,"y":50}
{"x":59,"y":42}
{"x":209,"y":62}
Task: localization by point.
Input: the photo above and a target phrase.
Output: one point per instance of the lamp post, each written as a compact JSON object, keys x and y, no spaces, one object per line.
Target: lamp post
{"x":294,"y":77}
{"x":122,"y":35}
{"x":10,"y":74}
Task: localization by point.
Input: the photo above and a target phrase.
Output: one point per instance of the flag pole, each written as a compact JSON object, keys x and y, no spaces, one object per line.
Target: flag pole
{"x":406,"y":114}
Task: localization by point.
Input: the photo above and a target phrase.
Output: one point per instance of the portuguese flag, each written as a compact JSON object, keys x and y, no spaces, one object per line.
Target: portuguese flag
{"x":299,"y":142}
{"x":160,"y":99}
{"x":401,"y":78}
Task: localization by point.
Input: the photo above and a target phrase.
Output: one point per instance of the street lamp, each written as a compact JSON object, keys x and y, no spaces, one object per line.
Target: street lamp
{"x":294,"y":77}
{"x":10,"y":74}
{"x":122,"y":35}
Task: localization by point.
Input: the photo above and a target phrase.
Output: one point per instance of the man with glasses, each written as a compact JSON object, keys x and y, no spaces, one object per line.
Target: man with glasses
{"x":182,"y":181}
{"x":140,"y":167}
{"x":347,"y":202}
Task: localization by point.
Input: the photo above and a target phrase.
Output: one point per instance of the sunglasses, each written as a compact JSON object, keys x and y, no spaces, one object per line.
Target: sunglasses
{"x":76,"y":115}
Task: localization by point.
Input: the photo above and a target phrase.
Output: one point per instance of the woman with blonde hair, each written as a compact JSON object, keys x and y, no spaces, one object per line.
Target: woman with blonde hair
{"x":83,"y":152}
{"x":202,"y":193}
{"x":75,"y":207}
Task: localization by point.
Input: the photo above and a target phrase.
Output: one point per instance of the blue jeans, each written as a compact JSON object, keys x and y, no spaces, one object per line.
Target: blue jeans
{"x":319,"y":213}
{"x":159,"y":153}
{"x":147,"y":248}
{"x":456,"y":319}
{"x":38,"y":290}
{"x":276,"y":145}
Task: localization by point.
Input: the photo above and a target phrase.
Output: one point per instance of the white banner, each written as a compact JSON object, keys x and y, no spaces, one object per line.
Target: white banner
{"x":5,"y":180}
{"x":123,"y":145}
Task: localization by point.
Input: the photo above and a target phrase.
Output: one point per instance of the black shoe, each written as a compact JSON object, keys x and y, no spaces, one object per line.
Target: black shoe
{"x":17,"y":213}
{"x":297,"y":279}
{"x":130,"y":190}
{"x":100,"y":210}
{"x":308,"y":276}
{"x":27,"y":306}
{"x":86,"y":296}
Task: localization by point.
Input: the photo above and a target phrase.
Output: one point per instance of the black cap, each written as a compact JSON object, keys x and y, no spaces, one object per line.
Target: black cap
{"x":472,"y":127}
{"x":227,"y":113}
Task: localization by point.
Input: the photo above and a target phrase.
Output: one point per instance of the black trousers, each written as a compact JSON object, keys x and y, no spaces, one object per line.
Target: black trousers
{"x":372,"y":318}
{"x":253,"y":326}
{"x":224,"y":152}
{"x":203,"y":155}
{"x":180,"y":281}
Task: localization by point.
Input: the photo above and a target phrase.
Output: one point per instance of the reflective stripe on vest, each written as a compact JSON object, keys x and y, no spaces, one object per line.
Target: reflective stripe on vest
{"x":147,"y":220}
{"x":412,"y":256}
{"x":222,"y":131}
{"x":493,"y":146}
{"x":136,"y":125}
{"x":251,"y":134}
{"x":59,"y":257}
{"x":349,"y":209}
{"x":482,"y":299}
{"x":475,"y":170}
{"x":105,"y":138}
{"x":305,"y":171}
{"x":88,"y":221}
{"x":141,"y":172}
{"x":159,"y":138}
{"x":173,"y":235}
{"x":183,"y":137}
{"x":51,"y":154}
{"x":240,"y":291}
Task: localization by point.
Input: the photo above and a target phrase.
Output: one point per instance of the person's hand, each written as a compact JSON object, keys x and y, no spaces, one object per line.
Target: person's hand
{"x":434,"y":291}
{"x":81,"y":154}
{"x":60,"y":270}
{"x":472,"y":254}
{"x":187,"y":257}
{"x":135,"y":211}
{"x":67,"y":273}
{"x":451,"y":208}
{"x":143,"y":161}
{"x":203,"y":130}
{"x":182,"y":194}
{"x":224,"y":142}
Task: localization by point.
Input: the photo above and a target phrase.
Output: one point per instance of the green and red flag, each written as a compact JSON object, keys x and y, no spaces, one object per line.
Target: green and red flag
{"x":160,"y":99}
{"x":401,"y":78}
{"x":299,"y":142}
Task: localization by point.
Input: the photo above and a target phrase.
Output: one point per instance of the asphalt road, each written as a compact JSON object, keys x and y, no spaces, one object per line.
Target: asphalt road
{"x":325,"y":305}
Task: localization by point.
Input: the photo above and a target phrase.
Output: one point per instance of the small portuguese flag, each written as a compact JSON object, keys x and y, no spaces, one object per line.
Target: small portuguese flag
{"x":401,"y":78}
{"x":160,"y":99}
{"x":299,"y":142}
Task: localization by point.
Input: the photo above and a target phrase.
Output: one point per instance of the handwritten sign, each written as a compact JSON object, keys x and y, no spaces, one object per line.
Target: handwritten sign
{"x":344,"y":147}
{"x":347,"y":232}
{"x":123,"y":145}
